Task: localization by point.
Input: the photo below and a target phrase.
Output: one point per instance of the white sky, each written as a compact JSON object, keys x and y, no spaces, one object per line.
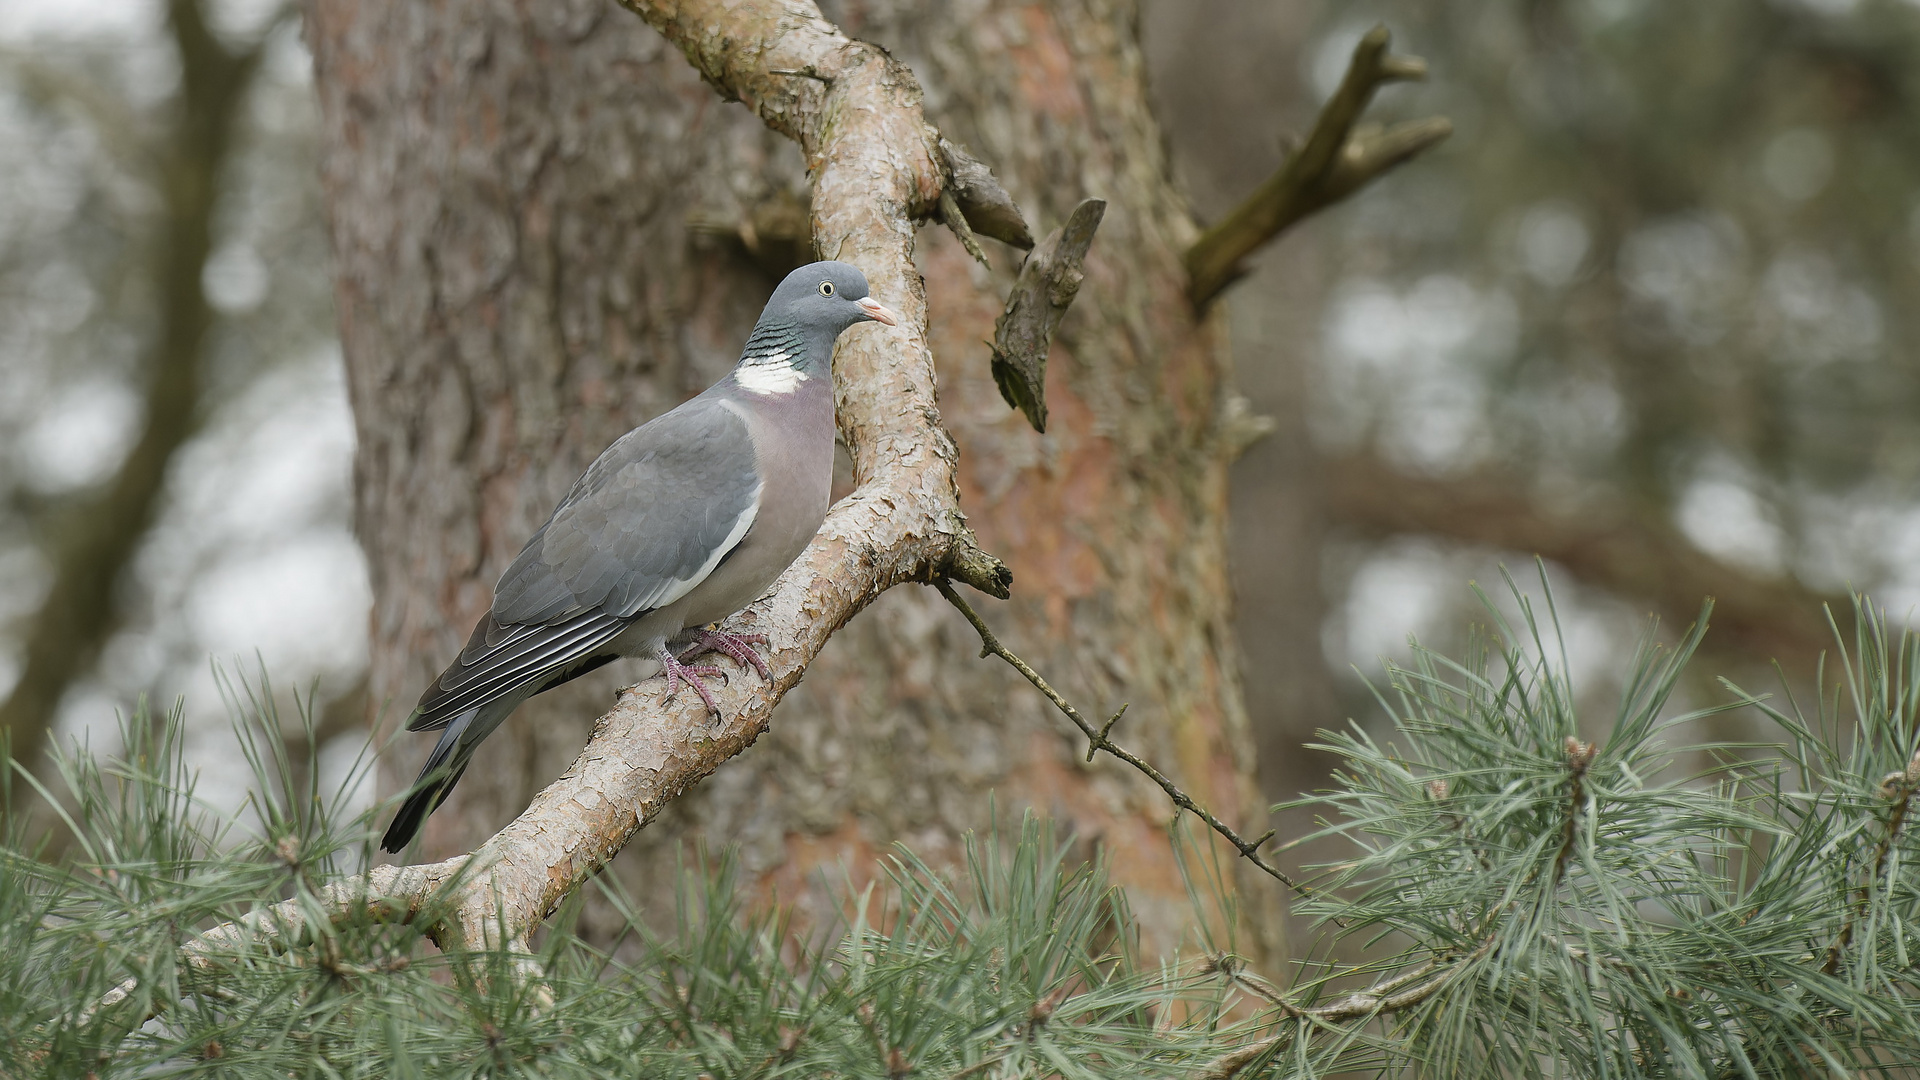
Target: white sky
{"x":23,"y":21}
{"x":43,"y":22}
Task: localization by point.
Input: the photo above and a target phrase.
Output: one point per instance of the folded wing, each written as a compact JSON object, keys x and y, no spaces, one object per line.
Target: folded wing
{"x":649,"y":520}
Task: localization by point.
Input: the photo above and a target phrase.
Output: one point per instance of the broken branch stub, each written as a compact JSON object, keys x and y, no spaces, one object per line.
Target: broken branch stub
{"x":1336,"y":160}
{"x":981,"y":200}
{"x":1049,"y":280}
{"x":956,"y":220}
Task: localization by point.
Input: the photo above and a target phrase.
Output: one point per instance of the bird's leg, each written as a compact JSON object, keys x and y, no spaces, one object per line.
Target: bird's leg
{"x":738,"y":646}
{"x":678,"y":673}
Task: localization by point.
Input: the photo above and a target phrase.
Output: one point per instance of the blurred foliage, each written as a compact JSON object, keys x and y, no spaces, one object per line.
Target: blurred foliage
{"x":111,"y":258}
{"x":1665,"y":258}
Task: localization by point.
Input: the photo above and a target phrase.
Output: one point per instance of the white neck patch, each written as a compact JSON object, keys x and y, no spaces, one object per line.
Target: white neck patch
{"x":772,"y":374}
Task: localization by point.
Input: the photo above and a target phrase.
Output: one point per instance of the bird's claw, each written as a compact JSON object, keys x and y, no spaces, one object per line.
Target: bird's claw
{"x":690,"y":674}
{"x":738,"y":646}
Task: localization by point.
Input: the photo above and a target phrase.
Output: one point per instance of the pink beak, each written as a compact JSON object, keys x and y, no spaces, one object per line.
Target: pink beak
{"x":877,"y":311}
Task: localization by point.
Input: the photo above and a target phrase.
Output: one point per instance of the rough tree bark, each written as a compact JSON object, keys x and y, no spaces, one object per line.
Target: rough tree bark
{"x":518,"y":198}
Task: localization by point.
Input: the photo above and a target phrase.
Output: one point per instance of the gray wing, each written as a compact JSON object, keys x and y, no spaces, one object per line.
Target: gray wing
{"x":499,"y":660}
{"x":649,"y":520}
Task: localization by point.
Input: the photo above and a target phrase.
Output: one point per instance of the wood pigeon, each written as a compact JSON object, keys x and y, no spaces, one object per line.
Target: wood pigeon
{"x":680,"y":523}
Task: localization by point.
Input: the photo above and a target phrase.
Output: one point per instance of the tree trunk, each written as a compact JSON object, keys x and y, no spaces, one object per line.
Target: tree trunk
{"x":524,"y":206}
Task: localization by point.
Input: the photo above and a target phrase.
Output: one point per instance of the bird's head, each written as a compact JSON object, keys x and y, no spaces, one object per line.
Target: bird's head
{"x":828,"y":296}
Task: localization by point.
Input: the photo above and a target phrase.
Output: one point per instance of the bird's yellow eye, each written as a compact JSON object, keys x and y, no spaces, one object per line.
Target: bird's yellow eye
{"x":826,"y":288}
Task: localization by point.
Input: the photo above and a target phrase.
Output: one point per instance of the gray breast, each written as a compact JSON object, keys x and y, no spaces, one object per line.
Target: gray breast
{"x":793,"y":448}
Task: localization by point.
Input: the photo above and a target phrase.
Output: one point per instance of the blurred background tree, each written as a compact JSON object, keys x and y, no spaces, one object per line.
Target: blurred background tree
{"x":1641,"y":315}
{"x":172,"y":418}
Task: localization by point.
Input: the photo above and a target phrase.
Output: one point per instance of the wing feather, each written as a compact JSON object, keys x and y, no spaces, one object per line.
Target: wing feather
{"x":647,"y":523}
{"x":495,"y":673}
{"x":644,"y":526}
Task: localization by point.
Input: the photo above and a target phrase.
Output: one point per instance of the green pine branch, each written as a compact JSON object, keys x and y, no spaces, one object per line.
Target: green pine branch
{"x":1526,"y":893}
{"x":1636,"y":905}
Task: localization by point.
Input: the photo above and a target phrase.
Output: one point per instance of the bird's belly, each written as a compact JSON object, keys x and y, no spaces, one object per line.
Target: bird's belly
{"x":730,"y":589}
{"x":780,"y":532}
{"x":793,"y":450}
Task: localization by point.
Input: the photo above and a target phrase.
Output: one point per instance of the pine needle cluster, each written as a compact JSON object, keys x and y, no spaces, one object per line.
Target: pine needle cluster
{"x":1022,"y":965}
{"x":1540,"y":897}
{"x":1622,"y":903}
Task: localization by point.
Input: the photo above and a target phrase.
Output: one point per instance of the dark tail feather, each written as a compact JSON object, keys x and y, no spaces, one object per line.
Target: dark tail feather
{"x":413,"y":813}
{"x":430,"y":790}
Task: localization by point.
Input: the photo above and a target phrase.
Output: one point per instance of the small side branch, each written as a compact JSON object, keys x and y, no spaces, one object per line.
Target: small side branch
{"x":980,"y":569}
{"x":1403,"y":991}
{"x":982,"y":202}
{"x":1097,"y":740}
{"x":1229,"y":1064}
{"x":1579,"y":759}
{"x":1897,"y":788}
{"x":1049,"y":280}
{"x":1337,"y":160}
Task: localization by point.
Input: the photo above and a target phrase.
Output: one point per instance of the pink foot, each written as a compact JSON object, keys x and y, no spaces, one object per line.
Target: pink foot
{"x":678,"y":673}
{"x":737,"y":646}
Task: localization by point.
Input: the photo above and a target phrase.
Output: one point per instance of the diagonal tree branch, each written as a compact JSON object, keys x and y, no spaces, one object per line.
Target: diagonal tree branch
{"x":876,"y":167}
{"x":1337,"y":159}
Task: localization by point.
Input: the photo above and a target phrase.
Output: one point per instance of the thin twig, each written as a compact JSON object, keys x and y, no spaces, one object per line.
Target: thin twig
{"x":1237,"y":973}
{"x":1097,"y":740}
{"x":1389,"y":996}
{"x":1392,"y":995}
{"x":977,"y":1067}
{"x":1108,"y":726}
{"x":1228,"y":1064}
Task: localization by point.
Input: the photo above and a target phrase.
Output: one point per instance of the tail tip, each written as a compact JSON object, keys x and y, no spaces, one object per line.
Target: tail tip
{"x":394,"y":843}
{"x":406,"y":823}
